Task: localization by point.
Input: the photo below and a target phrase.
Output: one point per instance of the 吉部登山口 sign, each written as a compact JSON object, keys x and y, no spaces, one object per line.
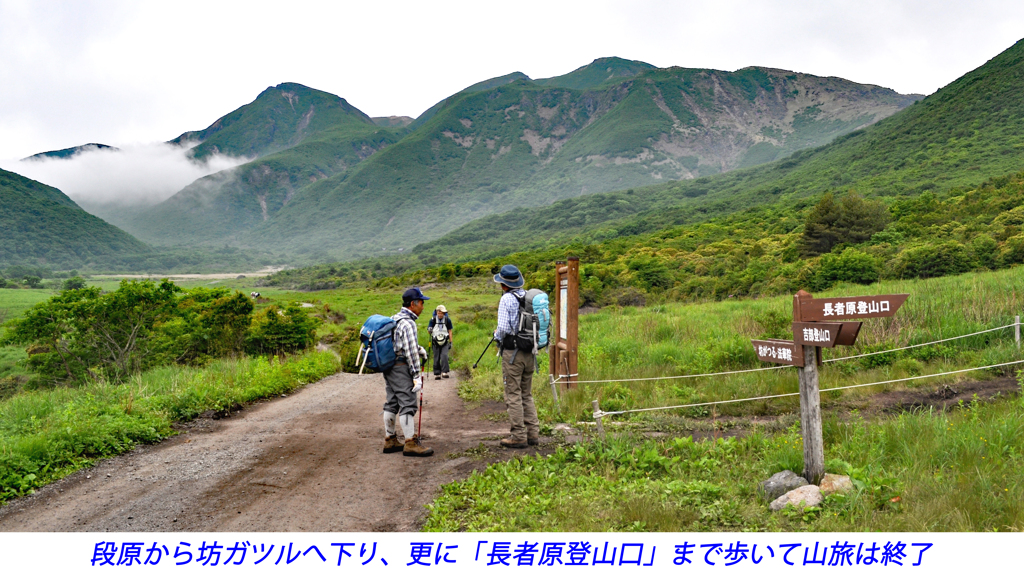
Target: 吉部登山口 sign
{"x":841,"y":308}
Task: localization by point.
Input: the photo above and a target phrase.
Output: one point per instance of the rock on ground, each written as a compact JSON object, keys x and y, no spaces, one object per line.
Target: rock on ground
{"x":804,"y":497}
{"x":836,"y":484}
{"x":779,"y":484}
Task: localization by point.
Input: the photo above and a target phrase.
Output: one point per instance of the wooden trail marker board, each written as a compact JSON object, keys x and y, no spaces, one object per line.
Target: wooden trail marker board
{"x":778,"y":351}
{"x":563,"y":350}
{"x":820,"y":323}
{"x":843,"y":308}
{"x":826,"y":334}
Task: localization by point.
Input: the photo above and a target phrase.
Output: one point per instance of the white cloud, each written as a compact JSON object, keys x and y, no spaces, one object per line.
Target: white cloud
{"x":133,"y":175}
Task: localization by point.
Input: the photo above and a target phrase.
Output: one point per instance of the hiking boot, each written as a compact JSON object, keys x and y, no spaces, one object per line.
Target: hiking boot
{"x":533,"y":441}
{"x":414,"y":449}
{"x":392,"y":445}
{"x":444,"y":375}
{"x":513,"y":443}
{"x":437,"y":377}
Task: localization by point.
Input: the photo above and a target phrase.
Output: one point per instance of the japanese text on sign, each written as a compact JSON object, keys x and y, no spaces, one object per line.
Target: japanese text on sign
{"x":815,"y":335}
{"x":640,"y":553}
{"x":844,"y":308}
{"x":775,"y":352}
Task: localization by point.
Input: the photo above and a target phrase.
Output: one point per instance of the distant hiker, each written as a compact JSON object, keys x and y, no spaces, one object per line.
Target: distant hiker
{"x":440,"y":330}
{"x":516,"y":365}
{"x":405,"y":379}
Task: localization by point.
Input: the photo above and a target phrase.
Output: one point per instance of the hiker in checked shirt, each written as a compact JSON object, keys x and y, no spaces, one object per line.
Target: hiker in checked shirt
{"x":516,"y":366}
{"x":405,"y":379}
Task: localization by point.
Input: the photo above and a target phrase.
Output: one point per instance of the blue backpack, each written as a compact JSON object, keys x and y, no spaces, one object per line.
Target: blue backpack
{"x":534,"y":321}
{"x":377,"y":348}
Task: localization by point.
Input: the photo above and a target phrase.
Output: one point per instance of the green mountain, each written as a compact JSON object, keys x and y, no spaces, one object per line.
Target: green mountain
{"x":392,"y":121}
{"x":967,"y":132}
{"x":478,"y":87}
{"x":598,"y":73}
{"x":300,"y":135}
{"x":281,"y":117}
{"x":525,"y":145}
{"x":70,"y":152}
{"x":41,"y":226}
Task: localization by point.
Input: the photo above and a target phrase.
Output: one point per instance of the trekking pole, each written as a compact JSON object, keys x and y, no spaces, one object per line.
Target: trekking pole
{"x":419,"y":421}
{"x":366,"y":354}
{"x":483,"y":352}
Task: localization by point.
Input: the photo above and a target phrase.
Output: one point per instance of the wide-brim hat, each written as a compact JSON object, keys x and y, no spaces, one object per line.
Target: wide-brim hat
{"x":510,"y":277}
{"x":442,"y":309}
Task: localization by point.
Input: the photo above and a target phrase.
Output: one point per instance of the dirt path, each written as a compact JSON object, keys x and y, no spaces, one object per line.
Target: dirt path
{"x":309,"y":462}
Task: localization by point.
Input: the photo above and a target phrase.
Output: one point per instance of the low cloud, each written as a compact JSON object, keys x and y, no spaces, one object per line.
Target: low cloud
{"x":139,"y":174}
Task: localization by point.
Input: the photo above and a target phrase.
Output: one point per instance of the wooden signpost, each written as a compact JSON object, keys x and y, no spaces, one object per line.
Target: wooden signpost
{"x":820,"y":323}
{"x":564,"y":349}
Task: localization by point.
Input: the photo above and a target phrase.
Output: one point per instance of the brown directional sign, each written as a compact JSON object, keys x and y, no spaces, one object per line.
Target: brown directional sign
{"x":844,"y":308}
{"x":821,"y":334}
{"x":778,"y":351}
{"x":824,"y":334}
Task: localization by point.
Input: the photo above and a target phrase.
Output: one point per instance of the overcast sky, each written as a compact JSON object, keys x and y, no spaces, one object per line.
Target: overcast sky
{"x":138,"y":72}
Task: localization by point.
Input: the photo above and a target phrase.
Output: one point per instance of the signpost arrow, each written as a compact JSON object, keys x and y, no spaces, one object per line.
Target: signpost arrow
{"x":843,"y":308}
{"x":778,"y":351}
{"x":824,"y":334}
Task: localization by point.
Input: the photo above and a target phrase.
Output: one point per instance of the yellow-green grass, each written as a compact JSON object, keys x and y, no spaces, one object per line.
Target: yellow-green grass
{"x":47,"y":434}
{"x":679,"y":339}
{"x":920,"y":471}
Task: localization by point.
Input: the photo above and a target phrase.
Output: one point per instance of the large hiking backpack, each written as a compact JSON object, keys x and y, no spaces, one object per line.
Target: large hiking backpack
{"x":440,"y":331}
{"x":533,"y":322}
{"x":378,"y":343}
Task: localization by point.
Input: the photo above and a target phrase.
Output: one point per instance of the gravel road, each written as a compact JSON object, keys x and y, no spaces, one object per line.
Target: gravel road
{"x":308,"y":462}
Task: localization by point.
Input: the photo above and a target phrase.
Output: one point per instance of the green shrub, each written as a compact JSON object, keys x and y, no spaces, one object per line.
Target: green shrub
{"x":73,"y":283}
{"x":1013,"y":251}
{"x":850,"y":220}
{"x":275,"y":331}
{"x":852,"y":265}
{"x":949,"y":258}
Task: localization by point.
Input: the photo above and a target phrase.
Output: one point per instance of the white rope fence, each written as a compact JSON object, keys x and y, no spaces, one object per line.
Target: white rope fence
{"x":599,"y":414}
{"x":922,"y":344}
{"x":693,"y":375}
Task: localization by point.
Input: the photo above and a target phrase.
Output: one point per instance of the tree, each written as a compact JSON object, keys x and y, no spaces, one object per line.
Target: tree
{"x":276,"y":331}
{"x":82,"y":334}
{"x":851,"y":220}
{"x":73,"y":283}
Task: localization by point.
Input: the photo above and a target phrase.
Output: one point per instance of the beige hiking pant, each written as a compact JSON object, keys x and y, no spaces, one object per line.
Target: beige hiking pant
{"x":518,"y":376}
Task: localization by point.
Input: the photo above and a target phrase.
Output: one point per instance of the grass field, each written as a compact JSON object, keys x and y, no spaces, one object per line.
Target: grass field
{"x":678,"y":339}
{"x":916,"y":471}
{"x":47,"y":434}
{"x":921,"y":471}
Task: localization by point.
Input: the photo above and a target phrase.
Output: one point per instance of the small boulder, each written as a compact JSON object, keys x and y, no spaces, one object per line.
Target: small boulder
{"x":804,"y":497}
{"x":779,"y":484}
{"x":835,"y":484}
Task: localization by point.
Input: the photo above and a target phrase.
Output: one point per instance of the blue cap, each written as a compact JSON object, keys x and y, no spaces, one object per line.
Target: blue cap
{"x":510,"y":277}
{"x":412,"y":294}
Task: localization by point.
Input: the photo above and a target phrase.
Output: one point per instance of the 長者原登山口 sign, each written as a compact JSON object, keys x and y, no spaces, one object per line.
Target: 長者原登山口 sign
{"x":843,"y":308}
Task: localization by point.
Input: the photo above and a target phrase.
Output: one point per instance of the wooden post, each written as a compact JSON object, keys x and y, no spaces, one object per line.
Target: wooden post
{"x":810,"y":405}
{"x":553,"y":352}
{"x":597,"y":418}
{"x":572,"y":313}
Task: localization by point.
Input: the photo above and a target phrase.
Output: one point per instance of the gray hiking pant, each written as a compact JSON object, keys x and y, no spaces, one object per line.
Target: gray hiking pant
{"x":441,"y":357}
{"x":398,"y":384}
{"x":518,"y":376}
